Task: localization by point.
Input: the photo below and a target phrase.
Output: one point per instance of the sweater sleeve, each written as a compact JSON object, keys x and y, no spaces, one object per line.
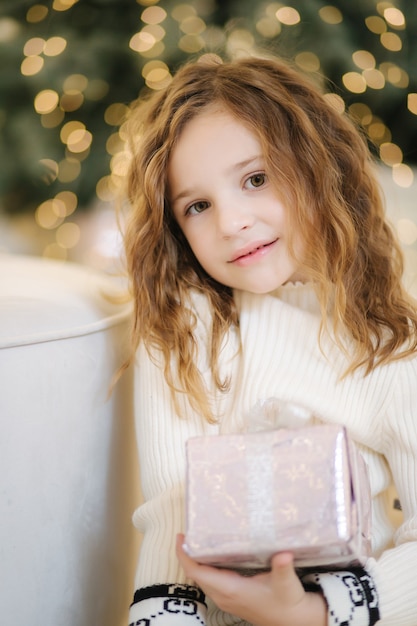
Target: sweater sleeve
{"x":394,"y":570}
{"x":163,"y":594}
{"x":385,"y":589}
{"x":350,"y":595}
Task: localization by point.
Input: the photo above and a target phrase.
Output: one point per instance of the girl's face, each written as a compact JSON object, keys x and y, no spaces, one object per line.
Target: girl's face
{"x":226,"y":207}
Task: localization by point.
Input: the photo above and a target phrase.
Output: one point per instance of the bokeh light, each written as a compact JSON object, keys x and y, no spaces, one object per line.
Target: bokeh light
{"x":77,"y":66}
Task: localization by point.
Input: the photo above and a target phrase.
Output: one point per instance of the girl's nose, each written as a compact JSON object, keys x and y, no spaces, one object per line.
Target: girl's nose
{"x":231,"y":219}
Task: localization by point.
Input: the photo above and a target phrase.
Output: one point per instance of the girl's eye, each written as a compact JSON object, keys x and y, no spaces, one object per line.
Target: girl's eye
{"x":256,"y":180}
{"x":197,"y":207}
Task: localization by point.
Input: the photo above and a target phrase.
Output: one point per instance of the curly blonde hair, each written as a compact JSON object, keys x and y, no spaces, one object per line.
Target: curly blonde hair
{"x":321,"y":167}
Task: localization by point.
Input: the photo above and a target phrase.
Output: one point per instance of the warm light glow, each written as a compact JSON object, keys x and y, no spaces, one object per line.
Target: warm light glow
{"x":31,"y":65}
{"x":153,"y":15}
{"x":390,"y":153}
{"x":193,"y":26}
{"x":47,"y":216}
{"x":58,"y":207}
{"x":331,"y":15}
{"x":114,"y":144}
{"x":288,"y":16}
{"x":391,"y":41}
{"x":46,"y":101}
{"x":308,"y":61}
{"x":354,"y":82}
{"x":272,"y":8}
{"x":75,"y":82}
{"x":69,"y":128}
{"x":54,"y":46}
{"x":140,"y":42}
{"x":96,"y":89}
{"x":156,"y":51}
{"x":364,"y":59}
{"x":155,"y":30}
{"x":119,"y":164}
{"x":36,"y":13}
{"x":147,"y":3}
{"x":394,"y":17}
{"x":156,"y":74}
{"x":155,"y":71}
{"x":402,"y":174}
{"x":69,"y":170}
{"x":52,"y":119}
{"x":361,"y":112}
{"x":407,"y":231}
{"x":51,"y":170}
{"x":55,"y":251}
{"x":335,"y":101}
{"x":68,"y":235}
{"x":240,"y":41}
{"x":395,"y":75}
{"x":412,"y":103}
{"x":105,"y":189}
{"x":210,"y":57}
{"x":69,"y":200}
{"x":182,"y":11}
{"x":191,"y":44}
{"x":268,"y":27}
{"x":376,"y":24}
{"x":165,"y":32}
{"x":71,"y":100}
{"x":79,"y":140}
{"x":116,"y":112}
{"x":378,"y":132}
{"x":9,"y":29}
{"x":63,"y":5}
{"x":374,"y":79}
{"x":215,"y":37}
{"x":34,"y":46}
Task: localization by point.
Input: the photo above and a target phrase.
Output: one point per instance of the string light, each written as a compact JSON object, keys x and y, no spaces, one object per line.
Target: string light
{"x":164,"y":28}
{"x":46,"y":101}
{"x":308,"y":61}
{"x":288,"y":16}
{"x":63,"y":5}
{"x":412,"y":103}
{"x":54,"y":46}
{"x":36,"y":13}
{"x":331,"y":15}
{"x":153,"y":15}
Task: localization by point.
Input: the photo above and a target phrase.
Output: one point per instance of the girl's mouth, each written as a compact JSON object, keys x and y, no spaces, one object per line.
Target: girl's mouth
{"x":254,"y":253}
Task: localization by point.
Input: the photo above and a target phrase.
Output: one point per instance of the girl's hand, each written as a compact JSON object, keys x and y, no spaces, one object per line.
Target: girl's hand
{"x":275,"y":598}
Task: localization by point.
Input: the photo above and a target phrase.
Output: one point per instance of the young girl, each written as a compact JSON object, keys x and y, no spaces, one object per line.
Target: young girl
{"x":261,"y":267}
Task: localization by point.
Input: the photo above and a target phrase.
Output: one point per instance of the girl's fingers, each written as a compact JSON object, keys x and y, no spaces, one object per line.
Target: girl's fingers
{"x":284,"y":578}
{"x":211,"y":579}
{"x":190,"y":566}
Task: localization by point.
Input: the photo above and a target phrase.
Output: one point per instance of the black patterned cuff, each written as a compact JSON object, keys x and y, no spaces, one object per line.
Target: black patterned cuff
{"x":351,"y":597}
{"x":168,"y":605}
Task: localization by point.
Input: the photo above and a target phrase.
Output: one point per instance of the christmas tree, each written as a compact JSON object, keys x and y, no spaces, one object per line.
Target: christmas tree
{"x":69,"y":69}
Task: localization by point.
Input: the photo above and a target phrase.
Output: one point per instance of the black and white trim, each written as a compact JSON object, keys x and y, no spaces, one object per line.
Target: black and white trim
{"x":172,"y":605}
{"x":351,"y":597}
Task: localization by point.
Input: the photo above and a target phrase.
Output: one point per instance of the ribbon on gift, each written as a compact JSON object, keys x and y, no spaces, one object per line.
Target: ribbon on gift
{"x":272,"y":413}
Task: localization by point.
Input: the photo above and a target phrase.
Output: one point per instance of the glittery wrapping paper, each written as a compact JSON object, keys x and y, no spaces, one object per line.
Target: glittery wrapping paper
{"x":251,"y":495}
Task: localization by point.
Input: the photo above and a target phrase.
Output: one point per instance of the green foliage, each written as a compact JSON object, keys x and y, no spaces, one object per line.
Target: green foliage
{"x":97,"y":34}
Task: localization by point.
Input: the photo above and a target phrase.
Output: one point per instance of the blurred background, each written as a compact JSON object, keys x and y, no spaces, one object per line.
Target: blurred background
{"x":70,"y":68}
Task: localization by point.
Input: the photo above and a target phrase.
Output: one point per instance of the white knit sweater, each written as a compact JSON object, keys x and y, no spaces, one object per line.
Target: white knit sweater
{"x":281,"y":358}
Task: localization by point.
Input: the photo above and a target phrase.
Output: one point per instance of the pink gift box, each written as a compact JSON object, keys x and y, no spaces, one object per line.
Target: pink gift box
{"x":251,"y":495}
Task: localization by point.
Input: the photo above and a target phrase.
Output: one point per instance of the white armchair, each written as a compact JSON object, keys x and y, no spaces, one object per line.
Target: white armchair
{"x":68,"y":471}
